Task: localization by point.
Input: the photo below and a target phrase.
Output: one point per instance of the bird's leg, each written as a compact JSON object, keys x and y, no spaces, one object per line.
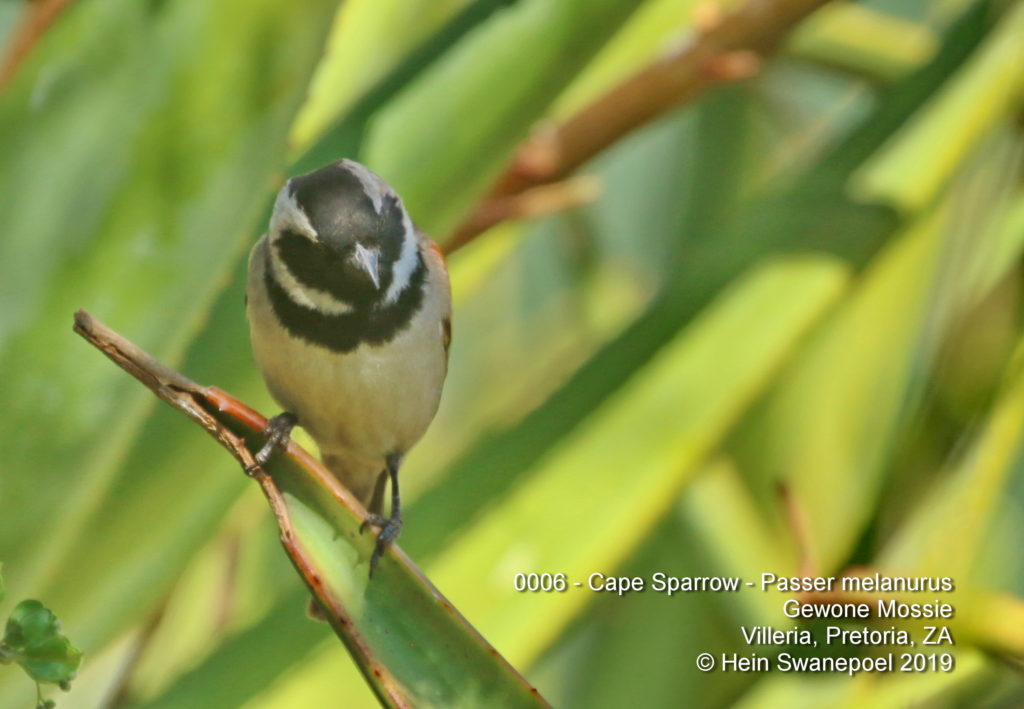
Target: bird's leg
{"x":389,"y":526}
{"x":277,"y":431}
{"x":376,"y":505}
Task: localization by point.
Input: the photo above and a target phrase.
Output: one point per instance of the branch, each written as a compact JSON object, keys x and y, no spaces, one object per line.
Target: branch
{"x":319,"y":524}
{"x":533,"y":202}
{"x":722,"y":50}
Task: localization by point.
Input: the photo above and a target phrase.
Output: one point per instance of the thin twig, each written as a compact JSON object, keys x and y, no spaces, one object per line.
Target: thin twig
{"x":537,"y":202}
{"x":720,"y":51}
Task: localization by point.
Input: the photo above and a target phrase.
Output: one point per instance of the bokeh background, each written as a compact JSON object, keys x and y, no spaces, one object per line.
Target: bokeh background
{"x":778,"y":328}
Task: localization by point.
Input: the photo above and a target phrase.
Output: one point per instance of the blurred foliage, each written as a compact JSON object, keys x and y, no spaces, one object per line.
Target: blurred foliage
{"x":33,"y":641}
{"x":807,"y":282}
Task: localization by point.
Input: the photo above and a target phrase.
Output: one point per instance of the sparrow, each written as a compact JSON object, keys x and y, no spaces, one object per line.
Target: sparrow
{"x":349,"y":310}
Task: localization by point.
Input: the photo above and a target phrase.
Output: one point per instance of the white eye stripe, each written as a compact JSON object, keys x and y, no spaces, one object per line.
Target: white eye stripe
{"x":288,"y":215}
{"x":374,"y":187}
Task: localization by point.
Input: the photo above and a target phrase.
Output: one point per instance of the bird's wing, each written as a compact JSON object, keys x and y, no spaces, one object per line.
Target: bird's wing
{"x":434,"y":258}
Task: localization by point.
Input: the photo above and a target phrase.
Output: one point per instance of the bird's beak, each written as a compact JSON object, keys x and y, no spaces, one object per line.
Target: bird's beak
{"x":367,"y":260}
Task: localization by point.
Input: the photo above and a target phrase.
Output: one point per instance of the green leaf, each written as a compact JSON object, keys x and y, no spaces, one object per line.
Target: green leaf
{"x":141,"y":218}
{"x":281,"y":639}
{"x":33,"y":638}
{"x":926,"y":543}
{"x":534,"y":313}
{"x":864,"y":40}
{"x":649,"y":30}
{"x":186,"y":167}
{"x":611,"y":479}
{"x":639,"y":630}
{"x":735,"y":531}
{"x":830,"y":425}
{"x":799,"y":220}
{"x":412,"y":645}
{"x":814,"y":214}
{"x":922,"y":157}
{"x":898,"y":104}
{"x":446,"y":137}
{"x":369,"y":39}
{"x":166,"y":499}
{"x":345,"y":137}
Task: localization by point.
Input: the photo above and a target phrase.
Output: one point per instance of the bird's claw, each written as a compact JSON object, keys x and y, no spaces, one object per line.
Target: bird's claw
{"x":389,"y":531}
{"x":277,"y":431}
{"x":373,"y":519}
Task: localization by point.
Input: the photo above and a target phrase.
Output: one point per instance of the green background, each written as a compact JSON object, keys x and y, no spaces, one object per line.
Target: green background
{"x":785,"y":337}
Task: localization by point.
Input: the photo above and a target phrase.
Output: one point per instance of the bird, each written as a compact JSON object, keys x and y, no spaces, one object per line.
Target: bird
{"x":349,"y":310}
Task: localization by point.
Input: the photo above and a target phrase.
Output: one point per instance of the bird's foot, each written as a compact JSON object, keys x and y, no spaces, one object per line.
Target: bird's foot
{"x":278,"y":430}
{"x":373,"y":520}
{"x":389,"y":527}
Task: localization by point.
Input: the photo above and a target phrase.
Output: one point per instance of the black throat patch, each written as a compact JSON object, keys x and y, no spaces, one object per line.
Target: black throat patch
{"x":373,"y":324}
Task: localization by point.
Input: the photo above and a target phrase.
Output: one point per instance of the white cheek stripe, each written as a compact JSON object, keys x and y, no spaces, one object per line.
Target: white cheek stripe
{"x":288,"y":215}
{"x":316,"y":299}
{"x":401,"y":272}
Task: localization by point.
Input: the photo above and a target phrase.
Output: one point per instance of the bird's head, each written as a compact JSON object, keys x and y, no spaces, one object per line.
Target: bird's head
{"x":342,"y":230}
